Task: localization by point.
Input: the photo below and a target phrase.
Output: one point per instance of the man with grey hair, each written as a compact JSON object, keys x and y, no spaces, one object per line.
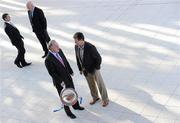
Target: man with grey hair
{"x":39,"y":25}
{"x":60,"y":71}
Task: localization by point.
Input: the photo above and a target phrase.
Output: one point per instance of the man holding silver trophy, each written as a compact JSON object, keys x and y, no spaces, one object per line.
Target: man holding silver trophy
{"x":61,"y":72}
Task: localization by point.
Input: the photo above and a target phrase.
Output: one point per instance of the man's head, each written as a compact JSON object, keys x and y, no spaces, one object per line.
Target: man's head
{"x":6,"y":17}
{"x":53,"y":46}
{"x":30,"y":5}
{"x":79,"y":38}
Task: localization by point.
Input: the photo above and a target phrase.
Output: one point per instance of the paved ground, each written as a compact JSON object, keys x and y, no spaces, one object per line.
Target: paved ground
{"x":140,"y":44}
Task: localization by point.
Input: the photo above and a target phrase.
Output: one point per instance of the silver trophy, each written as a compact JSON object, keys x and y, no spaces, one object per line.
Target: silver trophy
{"x":68,"y":96}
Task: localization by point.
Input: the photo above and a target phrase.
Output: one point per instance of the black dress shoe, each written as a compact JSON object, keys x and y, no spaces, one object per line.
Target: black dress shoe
{"x":18,"y":65}
{"x":26,"y":64}
{"x":45,"y":54}
{"x":79,"y":108}
{"x":72,"y":116}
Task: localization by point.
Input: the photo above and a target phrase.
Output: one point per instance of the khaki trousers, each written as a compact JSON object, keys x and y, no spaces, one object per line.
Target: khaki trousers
{"x":95,"y":80}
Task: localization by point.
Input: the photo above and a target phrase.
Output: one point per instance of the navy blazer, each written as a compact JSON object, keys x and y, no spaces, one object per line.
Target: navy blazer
{"x":13,"y":34}
{"x":38,"y":21}
{"x":91,"y":58}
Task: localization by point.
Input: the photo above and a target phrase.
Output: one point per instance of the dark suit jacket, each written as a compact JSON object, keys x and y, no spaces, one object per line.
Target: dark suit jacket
{"x":57,"y":71}
{"x":91,"y":58}
{"x":38,"y":21}
{"x":13,"y":34}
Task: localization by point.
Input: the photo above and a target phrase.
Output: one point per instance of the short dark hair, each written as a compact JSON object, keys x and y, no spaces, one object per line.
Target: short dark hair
{"x":78,"y":36}
{"x":4,"y":16}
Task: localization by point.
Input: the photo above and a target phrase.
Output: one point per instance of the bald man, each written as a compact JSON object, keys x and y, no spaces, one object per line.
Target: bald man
{"x":39,"y":25}
{"x":60,"y":71}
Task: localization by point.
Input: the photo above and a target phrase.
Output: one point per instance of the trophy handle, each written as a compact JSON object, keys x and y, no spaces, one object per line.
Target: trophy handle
{"x":63,"y":85}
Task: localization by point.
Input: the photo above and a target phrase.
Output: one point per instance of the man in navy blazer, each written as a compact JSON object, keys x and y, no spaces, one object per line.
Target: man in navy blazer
{"x":39,"y":25}
{"x":16,"y":40}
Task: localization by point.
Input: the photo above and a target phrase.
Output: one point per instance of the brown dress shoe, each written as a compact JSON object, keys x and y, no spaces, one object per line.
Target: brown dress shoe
{"x":105,"y":103}
{"x":94,"y":101}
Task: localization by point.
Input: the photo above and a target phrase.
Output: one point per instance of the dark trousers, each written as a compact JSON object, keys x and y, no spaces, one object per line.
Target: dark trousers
{"x":21,"y":52}
{"x":59,"y":89}
{"x":43,"y":38}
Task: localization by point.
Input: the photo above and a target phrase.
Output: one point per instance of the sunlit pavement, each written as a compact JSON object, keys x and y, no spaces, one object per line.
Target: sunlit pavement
{"x":139,"y":41}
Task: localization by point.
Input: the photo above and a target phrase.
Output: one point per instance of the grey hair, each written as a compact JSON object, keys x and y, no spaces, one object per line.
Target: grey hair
{"x":51,"y":43}
{"x":29,"y":3}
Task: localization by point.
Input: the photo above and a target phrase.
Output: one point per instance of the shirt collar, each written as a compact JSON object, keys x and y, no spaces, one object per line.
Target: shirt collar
{"x":54,"y":53}
{"x":33,"y":10}
{"x":8,"y":22}
{"x":81,"y":47}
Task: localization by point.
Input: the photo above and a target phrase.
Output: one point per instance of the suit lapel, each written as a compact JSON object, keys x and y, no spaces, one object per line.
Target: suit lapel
{"x":84,"y":54}
{"x":34,"y":12}
{"x":6,"y":24}
{"x":30,"y":17}
{"x":56,"y":61}
{"x":60,"y":54}
{"x":11,"y":26}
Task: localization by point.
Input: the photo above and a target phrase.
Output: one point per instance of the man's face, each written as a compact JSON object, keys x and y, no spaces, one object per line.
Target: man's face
{"x":55,"y":47}
{"x":30,"y":6}
{"x":8,"y":18}
{"x":78,"y":42}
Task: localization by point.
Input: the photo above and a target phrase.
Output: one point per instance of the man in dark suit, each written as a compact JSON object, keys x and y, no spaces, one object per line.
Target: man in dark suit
{"x":60,"y":71}
{"x":16,"y":40}
{"x":89,"y":61}
{"x":39,"y":25}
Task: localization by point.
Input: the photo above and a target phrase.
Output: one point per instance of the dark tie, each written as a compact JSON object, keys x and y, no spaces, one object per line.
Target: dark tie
{"x":30,"y":17}
{"x":31,"y":14}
